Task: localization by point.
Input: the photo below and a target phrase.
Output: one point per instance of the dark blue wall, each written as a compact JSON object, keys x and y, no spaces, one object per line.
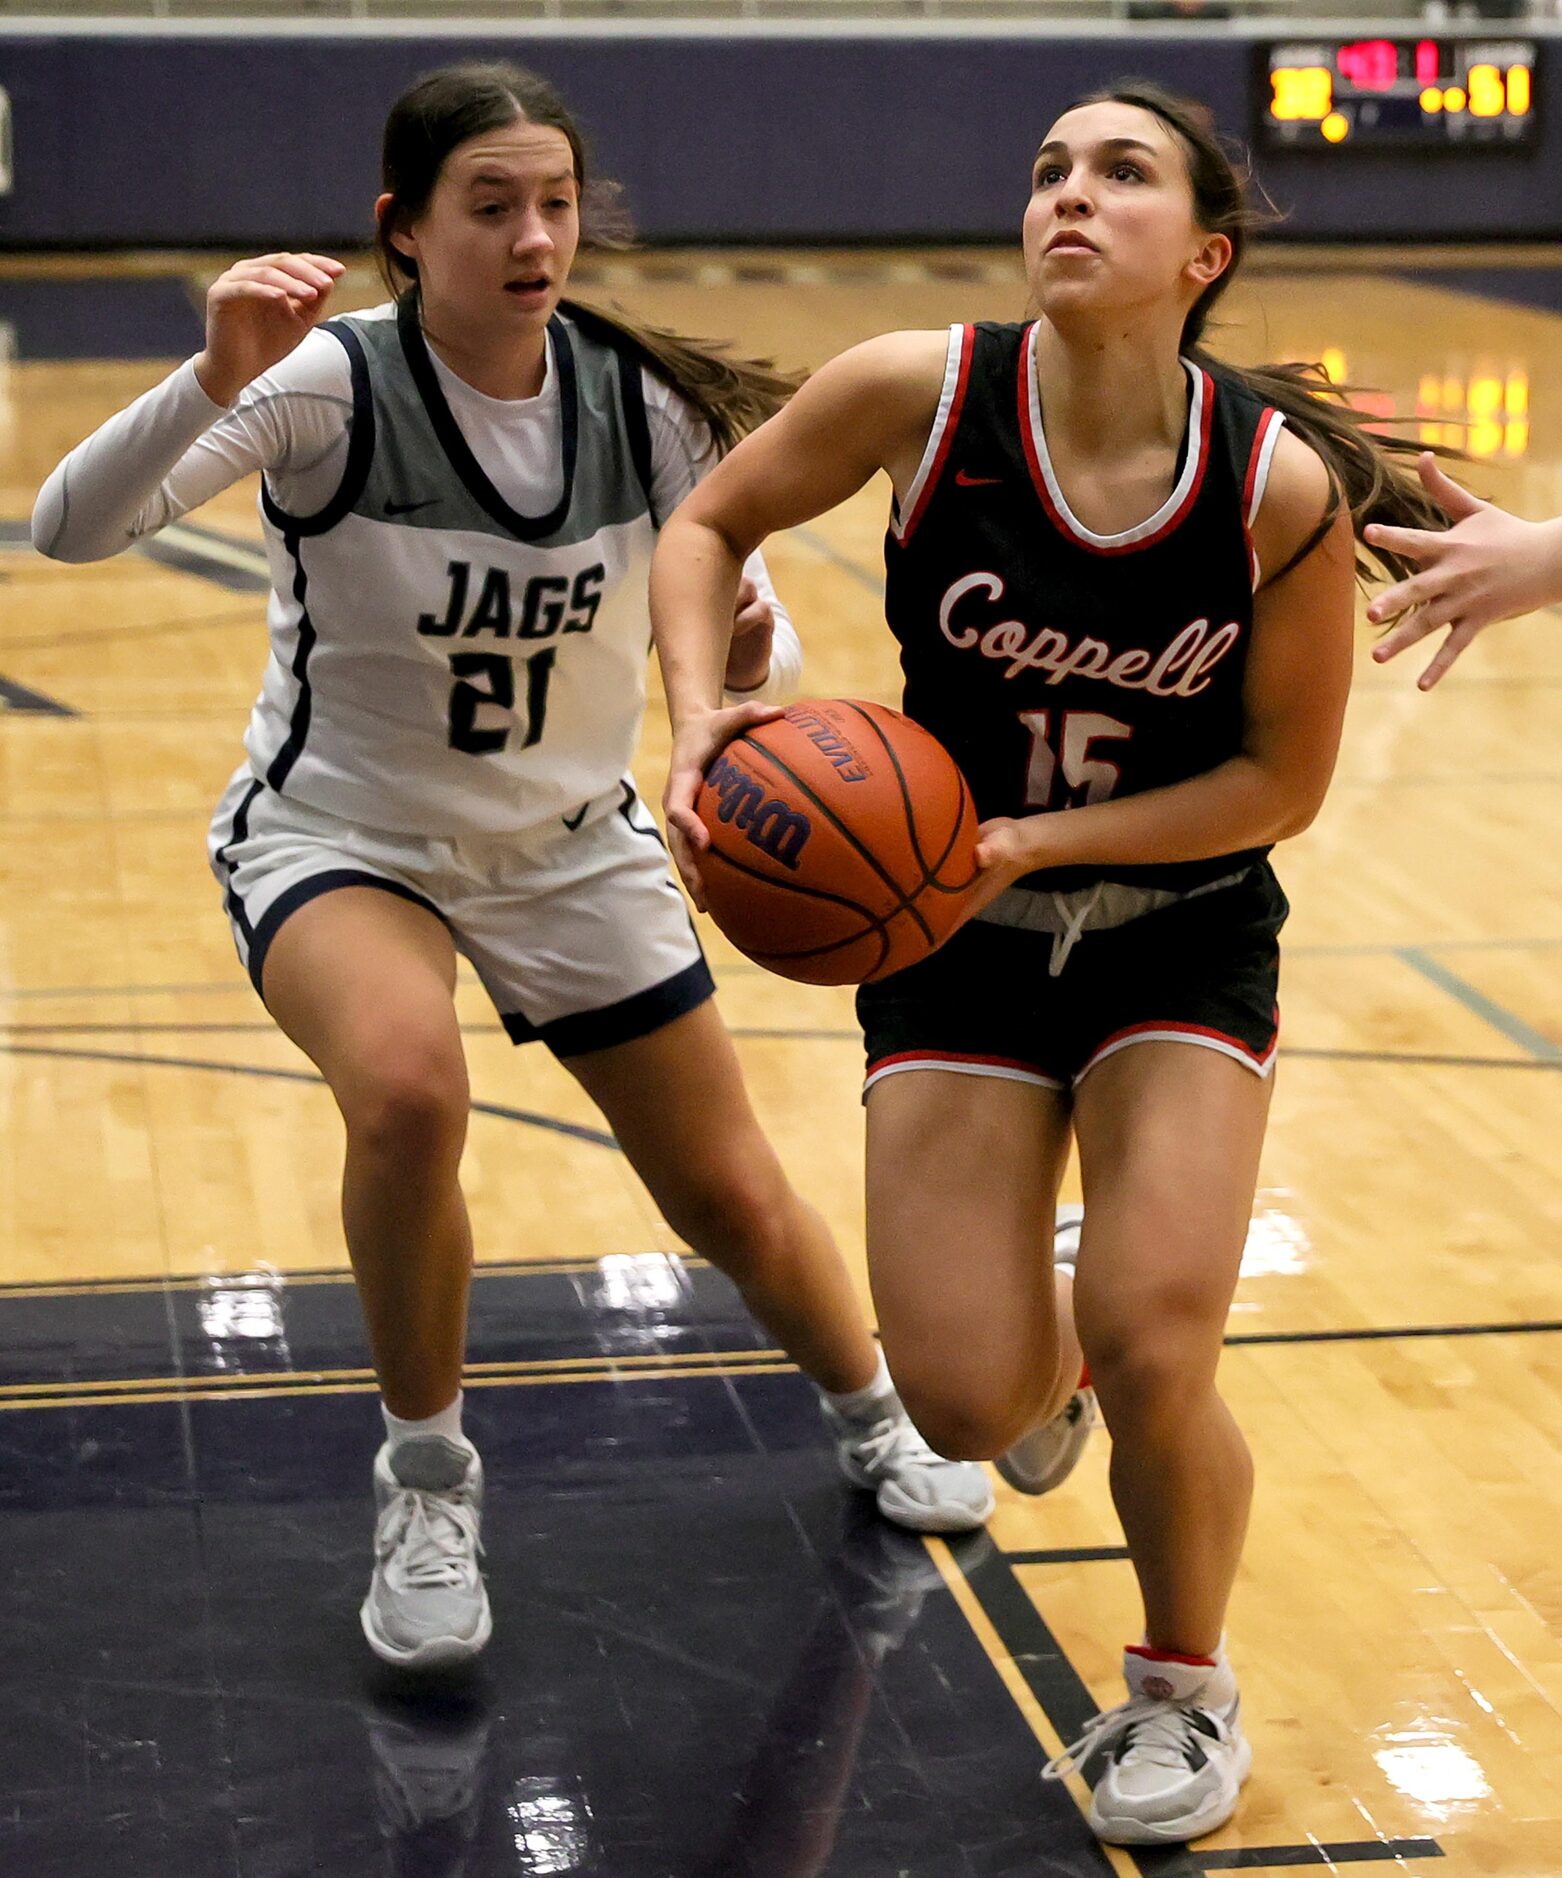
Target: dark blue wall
{"x":244,"y":141}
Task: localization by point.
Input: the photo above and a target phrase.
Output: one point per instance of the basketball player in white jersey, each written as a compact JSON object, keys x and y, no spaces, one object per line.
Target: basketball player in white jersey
{"x":461,"y":491}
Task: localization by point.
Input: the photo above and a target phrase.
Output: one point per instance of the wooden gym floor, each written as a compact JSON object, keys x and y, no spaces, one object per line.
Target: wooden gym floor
{"x":1396,"y":1346}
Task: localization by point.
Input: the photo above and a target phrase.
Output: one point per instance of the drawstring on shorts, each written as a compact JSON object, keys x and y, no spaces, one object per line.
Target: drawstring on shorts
{"x":1067,"y":936}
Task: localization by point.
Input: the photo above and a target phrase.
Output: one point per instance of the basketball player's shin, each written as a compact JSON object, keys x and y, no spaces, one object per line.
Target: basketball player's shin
{"x":427,"y":1606}
{"x":1174,"y":1753}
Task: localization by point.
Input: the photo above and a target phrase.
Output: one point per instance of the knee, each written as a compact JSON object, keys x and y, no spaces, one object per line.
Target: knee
{"x":409,"y":1103}
{"x":1148,"y":1375}
{"x":967,"y":1419}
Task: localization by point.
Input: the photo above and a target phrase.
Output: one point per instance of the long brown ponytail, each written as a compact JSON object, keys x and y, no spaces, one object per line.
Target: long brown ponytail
{"x":1366,"y":466}
{"x":731,"y":394}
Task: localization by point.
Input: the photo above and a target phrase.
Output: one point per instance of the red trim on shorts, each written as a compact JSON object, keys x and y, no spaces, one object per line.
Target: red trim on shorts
{"x":946,"y":440}
{"x":1061,"y":521}
{"x":1257,"y":1059}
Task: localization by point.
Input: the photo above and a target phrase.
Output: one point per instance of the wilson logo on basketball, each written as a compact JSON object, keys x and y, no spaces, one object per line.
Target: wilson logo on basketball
{"x":846,"y":760}
{"x":780,"y":831}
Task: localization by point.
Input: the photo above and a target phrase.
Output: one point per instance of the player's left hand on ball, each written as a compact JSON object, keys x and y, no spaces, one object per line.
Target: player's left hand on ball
{"x":1005,"y":850}
{"x":753,"y":630}
{"x":698,"y":741}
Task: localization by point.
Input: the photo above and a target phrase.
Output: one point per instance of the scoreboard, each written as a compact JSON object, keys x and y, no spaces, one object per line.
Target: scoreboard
{"x":1400,"y":94}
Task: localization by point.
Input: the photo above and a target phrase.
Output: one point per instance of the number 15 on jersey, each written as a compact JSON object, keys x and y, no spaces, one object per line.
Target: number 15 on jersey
{"x":1069,"y":748}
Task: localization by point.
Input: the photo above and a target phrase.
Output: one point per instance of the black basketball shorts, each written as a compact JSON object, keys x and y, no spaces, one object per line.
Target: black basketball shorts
{"x":1203,"y":970}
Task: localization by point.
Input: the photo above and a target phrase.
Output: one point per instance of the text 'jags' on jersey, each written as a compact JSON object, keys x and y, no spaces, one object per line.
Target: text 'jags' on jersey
{"x":1058,"y":666}
{"x":442,"y":662}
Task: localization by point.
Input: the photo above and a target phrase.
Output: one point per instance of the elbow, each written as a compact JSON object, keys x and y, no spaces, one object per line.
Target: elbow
{"x":47,"y":530}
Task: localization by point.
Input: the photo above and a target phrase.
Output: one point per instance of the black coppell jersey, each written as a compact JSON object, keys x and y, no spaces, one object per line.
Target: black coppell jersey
{"x":1058,"y":666}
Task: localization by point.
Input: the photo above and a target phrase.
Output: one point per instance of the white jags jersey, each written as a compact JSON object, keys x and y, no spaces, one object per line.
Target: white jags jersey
{"x":440,"y":662}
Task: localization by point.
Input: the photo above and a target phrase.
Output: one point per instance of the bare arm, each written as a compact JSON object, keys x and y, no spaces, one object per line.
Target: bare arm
{"x":868,"y":410}
{"x":1489,"y":566}
{"x":1298,"y":677}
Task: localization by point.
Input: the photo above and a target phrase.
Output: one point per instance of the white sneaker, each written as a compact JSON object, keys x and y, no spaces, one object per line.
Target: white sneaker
{"x":1176,"y":1754}
{"x":1044,"y":1458}
{"x":914,"y":1487}
{"x":427,"y":1605}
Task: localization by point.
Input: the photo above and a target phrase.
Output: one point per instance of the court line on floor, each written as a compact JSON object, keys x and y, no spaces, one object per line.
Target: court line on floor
{"x":576,"y":1131}
{"x":1522,"y":1327}
{"x":1042,"y":1683}
{"x":175,"y":1389}
{"x":216,"y":1386}
{"x":1498,"y":1016}
{"x":1328,"y":1855}
{"x":316,"y":1275}
{"x":1066,"y":1554}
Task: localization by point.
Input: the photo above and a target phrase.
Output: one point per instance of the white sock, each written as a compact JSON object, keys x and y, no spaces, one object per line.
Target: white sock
{"x":866,"y":1403}
{"x":447,"y":1423}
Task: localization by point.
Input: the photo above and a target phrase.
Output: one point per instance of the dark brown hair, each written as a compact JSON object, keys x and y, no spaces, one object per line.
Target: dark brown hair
{"x":445,"y":108}
{"x":1364,"y":465}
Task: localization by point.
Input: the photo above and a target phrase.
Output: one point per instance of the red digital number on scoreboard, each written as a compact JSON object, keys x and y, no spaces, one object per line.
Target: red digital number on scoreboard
{"x":1369,"y":64}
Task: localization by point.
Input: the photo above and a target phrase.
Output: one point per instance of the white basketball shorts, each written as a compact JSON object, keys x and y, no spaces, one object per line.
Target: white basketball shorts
{"x":577,"y":932}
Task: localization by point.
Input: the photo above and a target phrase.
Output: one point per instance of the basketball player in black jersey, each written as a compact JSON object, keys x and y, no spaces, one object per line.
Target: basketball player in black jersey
{"x":1121,"y":578}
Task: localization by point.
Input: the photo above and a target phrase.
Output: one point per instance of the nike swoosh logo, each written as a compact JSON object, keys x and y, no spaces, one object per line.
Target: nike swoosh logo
{"x":975,"y":482}
{"x":572,"y":822}
{"x":406,"y":508}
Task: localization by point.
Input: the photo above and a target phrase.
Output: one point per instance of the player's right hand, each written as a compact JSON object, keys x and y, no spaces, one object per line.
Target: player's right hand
{"x":698,"y":741}
{"x":256,"y":313}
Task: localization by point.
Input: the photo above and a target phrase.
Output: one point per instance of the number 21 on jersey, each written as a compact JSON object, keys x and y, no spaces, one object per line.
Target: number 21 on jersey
{"x":1070,"y":749}
{"x":488,"y":678}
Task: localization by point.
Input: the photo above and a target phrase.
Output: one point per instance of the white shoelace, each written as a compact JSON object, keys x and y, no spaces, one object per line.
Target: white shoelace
{"x":1160,"y":1732}
{"x":432,"y":1536}
{"x":895,"y":1439}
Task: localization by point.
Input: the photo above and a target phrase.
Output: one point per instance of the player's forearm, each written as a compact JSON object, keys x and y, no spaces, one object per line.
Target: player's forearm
{"x":96,"y":502}
{"x":694,"y":585}
{"x":1238,"y":805}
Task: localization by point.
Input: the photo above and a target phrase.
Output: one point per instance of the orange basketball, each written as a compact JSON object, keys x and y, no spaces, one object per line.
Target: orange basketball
{"x":843,"y":842}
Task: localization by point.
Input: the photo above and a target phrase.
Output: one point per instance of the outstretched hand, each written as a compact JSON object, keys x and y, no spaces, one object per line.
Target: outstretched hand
{"x":1488,"y":566}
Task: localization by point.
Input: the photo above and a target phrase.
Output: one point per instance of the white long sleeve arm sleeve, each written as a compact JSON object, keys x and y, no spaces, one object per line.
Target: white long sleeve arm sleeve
{"x":174,"y":449}
{"x":681,"y":455}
